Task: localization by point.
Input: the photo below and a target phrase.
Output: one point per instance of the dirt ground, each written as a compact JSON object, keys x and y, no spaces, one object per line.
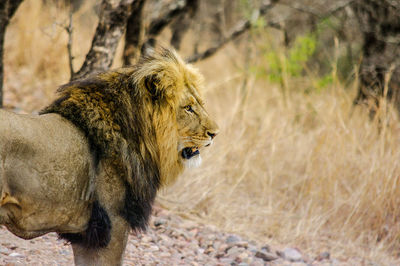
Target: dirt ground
{"x":169,"y":240}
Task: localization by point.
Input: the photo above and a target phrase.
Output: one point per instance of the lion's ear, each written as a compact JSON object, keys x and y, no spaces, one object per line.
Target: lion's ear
{"x":148,"y":49}
{"x":152,"y":84}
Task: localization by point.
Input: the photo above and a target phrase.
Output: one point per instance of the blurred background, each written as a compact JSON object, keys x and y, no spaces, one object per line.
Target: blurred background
{"x":306,"y":94}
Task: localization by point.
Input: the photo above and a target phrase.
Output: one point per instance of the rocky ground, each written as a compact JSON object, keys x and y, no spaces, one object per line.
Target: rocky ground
{"x":170,"y":240}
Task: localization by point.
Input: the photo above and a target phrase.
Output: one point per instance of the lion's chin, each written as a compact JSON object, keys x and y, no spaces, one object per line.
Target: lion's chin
{"x":193,"y":162}
{"x":191,"y":157}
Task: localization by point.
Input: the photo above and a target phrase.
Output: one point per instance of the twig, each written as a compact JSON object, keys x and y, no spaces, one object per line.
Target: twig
{"x":134,"y":33}
{"x":329,"y":13}
{"x":303,"y":9}
{"x":158,"y":24}
{"x":69,"y":30}
{"x":182,"y":23}
{"x":238,"y":29}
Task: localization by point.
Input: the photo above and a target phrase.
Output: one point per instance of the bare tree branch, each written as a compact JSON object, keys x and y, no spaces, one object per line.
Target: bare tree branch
{"x":240,"y":28}
{"x":315,"y":13}
{"x":157,"y":25}
{"x":182,"y":23}
{"x":112,"y":22}
{"x":69,"y":30}
{"x":175,"y":9}
{"x":7,"y":10}
{"x":133,"y":35}
{"x":379,"y":23}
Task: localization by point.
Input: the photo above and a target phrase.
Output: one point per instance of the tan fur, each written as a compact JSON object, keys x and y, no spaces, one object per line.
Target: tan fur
{"x":131,"y":119}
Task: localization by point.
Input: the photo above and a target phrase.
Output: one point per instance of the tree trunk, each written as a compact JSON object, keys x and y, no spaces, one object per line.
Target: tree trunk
{"x":112,"y":22}
{"x":156,"y":26}
{"x":182,"y":23}
{"x":379,"y":21}
{"x":134,"y":30}
{"x":7,"y":10}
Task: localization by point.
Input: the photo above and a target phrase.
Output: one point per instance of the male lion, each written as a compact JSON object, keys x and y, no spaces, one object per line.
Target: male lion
{"x":90,"y":165}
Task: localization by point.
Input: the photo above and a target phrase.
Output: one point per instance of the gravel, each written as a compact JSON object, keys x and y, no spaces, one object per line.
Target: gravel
{"x":169,"y":240}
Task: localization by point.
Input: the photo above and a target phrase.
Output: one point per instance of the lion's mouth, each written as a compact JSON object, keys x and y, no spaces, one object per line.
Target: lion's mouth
{"x":189,"y":152}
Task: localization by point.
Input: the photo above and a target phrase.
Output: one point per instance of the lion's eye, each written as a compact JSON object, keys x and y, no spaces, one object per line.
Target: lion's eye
{"x":189,"y":108}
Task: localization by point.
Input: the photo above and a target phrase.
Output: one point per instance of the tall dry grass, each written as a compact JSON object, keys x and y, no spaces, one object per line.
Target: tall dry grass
{"x":35,"y":54}
{"x":309,"y":170}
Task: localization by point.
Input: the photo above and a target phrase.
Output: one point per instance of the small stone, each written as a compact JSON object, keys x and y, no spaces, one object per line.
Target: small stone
{"x":154,"y":248}
{"x":232,"y":239}
{"x":242,"y":256}
{"x":299,"y":263}
{"x":187,"y":224}
{"x":4,"y":251}
{"x":258,"y":262}
{"x":220,"y":255}
{"x":164,"y":238}
{"x":266,"y":248}
{"x":209,"y":250}
{"x":64,"y":252}
{"x":232,"y":251}
{"x":323,"y":256}
{"x":223,"y":247}
{"x":242,"y":244}
{"x":253,"y":249}
{"x":335,"y":262}
{"x":164,"y":255}
{"x":266,"y":256}
{"x":15,"y":254}
{"x":291,"y":254}
{"x":243,"y":264}
{"x":159,"y":222}
{"x":226,"y":261}
{"x":146,"y":239}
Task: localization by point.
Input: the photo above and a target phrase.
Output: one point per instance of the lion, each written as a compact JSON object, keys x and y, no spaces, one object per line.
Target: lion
{"x":89,"y":165}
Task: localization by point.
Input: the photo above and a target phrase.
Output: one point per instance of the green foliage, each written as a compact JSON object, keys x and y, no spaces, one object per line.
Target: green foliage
{"x":303,"y":49}
{"x":316,"y":54}
{"x":324,"y":82}
{"x":309,"y":54}
{"x":258,"y":23}
{"x":293,"y":62}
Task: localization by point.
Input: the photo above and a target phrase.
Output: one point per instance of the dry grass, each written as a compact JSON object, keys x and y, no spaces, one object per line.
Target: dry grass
{"x":307,"y":170}
{"x":311,"y":171}
{"x":35,"y":57}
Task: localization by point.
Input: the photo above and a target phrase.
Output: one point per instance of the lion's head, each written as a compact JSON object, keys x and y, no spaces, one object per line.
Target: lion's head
{"x":174,"y":89}
{"x":195,"y":128}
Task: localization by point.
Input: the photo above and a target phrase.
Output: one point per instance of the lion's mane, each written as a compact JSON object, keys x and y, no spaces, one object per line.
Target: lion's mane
{"x":128,"y":116}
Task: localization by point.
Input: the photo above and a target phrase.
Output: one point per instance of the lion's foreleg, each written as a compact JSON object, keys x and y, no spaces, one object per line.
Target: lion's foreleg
{"x":110,"y":255}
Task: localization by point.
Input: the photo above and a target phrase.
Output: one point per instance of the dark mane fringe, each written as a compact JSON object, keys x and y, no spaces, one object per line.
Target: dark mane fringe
{"x":109,"y":109}
{"x":98,"y":232}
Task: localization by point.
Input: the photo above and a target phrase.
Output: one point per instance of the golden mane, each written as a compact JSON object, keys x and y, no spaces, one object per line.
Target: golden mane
{"x":167,"y":77}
